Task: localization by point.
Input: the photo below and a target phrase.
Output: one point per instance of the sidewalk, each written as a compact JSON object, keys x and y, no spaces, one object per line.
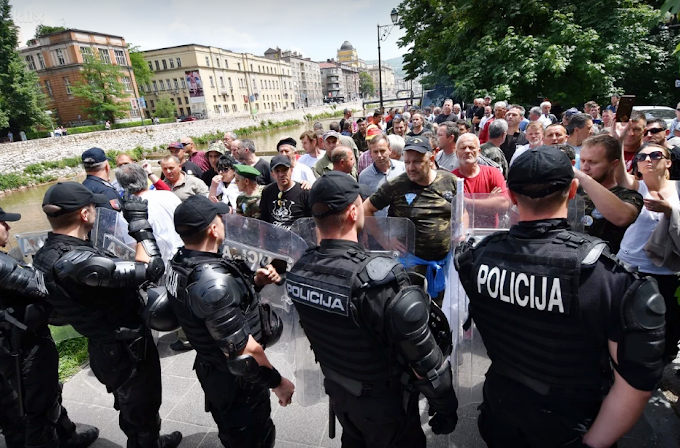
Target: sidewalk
{"x":296,"y":427}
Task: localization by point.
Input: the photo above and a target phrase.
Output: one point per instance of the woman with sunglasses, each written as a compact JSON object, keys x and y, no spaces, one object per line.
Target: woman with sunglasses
{"x":660,"y":196}
{"x":223,"y":188}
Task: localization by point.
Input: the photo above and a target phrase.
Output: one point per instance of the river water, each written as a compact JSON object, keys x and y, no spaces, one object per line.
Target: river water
{"x":28,"y":202}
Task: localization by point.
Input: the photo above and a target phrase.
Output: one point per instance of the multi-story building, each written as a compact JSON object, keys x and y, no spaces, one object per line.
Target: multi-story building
{"x":388,"y":80}
{"x":306,"y":76}
{"x":211,"y":82}
{"x":57,"y":58}
{"x":339,"y":80}
{"x":348,"y":55}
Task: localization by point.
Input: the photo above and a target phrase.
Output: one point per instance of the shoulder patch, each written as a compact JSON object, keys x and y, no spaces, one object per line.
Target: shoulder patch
{"x":594,"y":254}
{"x":379,"y":267}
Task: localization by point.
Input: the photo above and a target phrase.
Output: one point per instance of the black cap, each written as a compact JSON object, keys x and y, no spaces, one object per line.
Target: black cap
{"x":543,"y":165}
{"x":279,"y":160}
{"x":420,"y":144}
{"x":336,"y":190}
{"x":9,"y":217}
{"x":94,"y":155}
{"x":196,"y":213}
{"x":66,"y":197}
{"x":287,"y":141}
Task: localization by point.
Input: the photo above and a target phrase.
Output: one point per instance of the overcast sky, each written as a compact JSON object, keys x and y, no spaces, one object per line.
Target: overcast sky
{"x":316,"y":28}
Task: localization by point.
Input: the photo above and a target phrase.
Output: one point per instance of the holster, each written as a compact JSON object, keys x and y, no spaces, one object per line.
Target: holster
{"x":135,"y":341}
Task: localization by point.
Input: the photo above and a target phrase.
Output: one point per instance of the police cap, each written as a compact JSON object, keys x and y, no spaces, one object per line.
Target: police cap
{"x":67,"y":197}
{"x":9,"y":217}
{"x":543,"y":165}
{"x":333,"y":192}
{"x":196,"y":213}
{"x":247,"y":171}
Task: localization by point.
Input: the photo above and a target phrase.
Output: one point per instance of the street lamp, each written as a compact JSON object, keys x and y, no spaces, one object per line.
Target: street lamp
{"x":394,"y":15}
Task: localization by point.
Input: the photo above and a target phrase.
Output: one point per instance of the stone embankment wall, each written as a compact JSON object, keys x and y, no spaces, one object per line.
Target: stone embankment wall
{"x":16,"y":156}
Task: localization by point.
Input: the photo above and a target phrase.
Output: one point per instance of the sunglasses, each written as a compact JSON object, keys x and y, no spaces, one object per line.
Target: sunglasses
{"x":654,"y":155}
{"x":653,"y":131}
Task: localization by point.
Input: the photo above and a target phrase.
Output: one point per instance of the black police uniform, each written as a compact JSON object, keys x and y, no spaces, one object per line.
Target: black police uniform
{"x":218,"y":307}
{"x":546,"y":300}
{"x":369,"y":328}
{"x":46,"y":422}
{"x":98,"y":185}
{"x":98,"y":295}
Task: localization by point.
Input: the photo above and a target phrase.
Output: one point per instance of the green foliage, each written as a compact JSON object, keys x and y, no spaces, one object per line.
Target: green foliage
{"x":13,"y":180}
{"x":102,"y":90}
{"x":34,"y":169}
{"x":324,"y":115}
{"x":524,"y":50}
{"x":164,"y":108}
{"x":42,"y":30}
{"x":366,"y":86}
{"x":72,"y":355}
{"x":139,"y":66}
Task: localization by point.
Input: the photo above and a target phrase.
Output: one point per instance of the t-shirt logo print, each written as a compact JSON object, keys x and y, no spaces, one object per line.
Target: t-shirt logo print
{"x":410,"y":197}
{"x":282,"y":211}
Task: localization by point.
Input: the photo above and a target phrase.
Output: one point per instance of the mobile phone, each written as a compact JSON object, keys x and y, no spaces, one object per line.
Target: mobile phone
{"x":625,"y":108}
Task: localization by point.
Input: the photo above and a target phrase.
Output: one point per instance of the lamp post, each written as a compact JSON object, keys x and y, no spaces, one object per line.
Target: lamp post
{"x":394,"y":15}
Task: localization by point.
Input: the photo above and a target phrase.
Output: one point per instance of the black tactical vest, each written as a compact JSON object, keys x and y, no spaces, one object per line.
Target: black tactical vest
{"x":94,"y":312}
{"x":324,"y":289}
{"x":524,"y":300}
{"x":183,"y":275}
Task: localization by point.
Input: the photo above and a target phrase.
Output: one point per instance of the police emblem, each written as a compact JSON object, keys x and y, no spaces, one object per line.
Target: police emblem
{"x":587,"y":220}
{"x":410,"y":197}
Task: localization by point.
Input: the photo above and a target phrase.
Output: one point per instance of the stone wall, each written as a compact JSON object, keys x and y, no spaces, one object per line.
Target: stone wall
{"x":16,"y":156}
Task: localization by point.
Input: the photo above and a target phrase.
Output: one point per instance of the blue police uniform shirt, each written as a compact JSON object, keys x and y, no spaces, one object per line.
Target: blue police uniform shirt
{"x":100,"y":186}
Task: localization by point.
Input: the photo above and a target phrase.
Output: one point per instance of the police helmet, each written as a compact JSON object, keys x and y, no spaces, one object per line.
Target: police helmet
{"x":157,"y":312}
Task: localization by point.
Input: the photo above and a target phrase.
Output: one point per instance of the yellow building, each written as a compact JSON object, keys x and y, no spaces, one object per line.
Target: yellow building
{"x":348,"y":55}
{"x":388,"y":80}
{"x":212,"y":82}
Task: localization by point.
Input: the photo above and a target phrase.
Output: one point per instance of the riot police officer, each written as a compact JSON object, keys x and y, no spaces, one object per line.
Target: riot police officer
{"x":557,"y":312}
{"x":26,"y":346}
{"x":368,"y":328}
{"x":99,"y":296}
{"x":216,"y":301}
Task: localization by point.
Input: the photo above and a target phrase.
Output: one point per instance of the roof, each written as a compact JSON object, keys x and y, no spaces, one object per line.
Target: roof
{"x":81,"y":31}
{"x":346,"y":46}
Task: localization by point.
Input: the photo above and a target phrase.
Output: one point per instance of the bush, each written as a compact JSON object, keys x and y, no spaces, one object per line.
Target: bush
{"x":13,"y":180}
{"x":34,"y":169}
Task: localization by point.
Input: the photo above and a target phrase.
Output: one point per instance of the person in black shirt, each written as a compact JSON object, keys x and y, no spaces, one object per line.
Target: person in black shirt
{"x":189,"y":167}
{"x":245,"y":153}
{"x":447,"y":113}
{"x":515,"y":137}
{"x":283,"y":202}
{"x":610,"y":208}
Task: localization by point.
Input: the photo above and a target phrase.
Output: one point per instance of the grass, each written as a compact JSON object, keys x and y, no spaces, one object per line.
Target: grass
{"x":72,"y":355}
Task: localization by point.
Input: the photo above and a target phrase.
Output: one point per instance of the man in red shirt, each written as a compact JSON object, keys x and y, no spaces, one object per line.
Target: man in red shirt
{"x":480,"y":180}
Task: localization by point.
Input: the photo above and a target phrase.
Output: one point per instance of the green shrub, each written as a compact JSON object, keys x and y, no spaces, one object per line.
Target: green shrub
{"x":34,"y":169}
{"x":13,"y":180}
{"x":72,"y":162}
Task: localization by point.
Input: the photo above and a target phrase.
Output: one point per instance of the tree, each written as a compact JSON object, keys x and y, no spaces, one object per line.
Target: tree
{"x":526,"y":50}
{"x":164,"y":108}
{"x":21,"y":100}
{"x":42,"y":30}
{"x":366,"y":86}
{"x":139,"y":66}
{"x":101,"y":88}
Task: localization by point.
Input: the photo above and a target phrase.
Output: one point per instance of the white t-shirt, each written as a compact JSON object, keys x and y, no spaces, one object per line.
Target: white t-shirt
{"x":229,"y":194}
{"x":303,"y":172}
{"x":308,"y":160}
{"x":636,"y":236}
{"x":162,"y":205}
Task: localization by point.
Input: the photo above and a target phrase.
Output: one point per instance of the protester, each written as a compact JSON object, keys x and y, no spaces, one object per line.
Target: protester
{"x":359,"y":136}
{"x":418,"y":125}
{"x":498,"y":131}
{"x":194,"y":155}
{"x":534,"y":135}
{"x":383,"y":169}
{"x":447,"y":113}
{"x":396,"y":147}
{"x":464,"y":127}
{"x":248,"y":201}
{"x":535,"y":114}
{"x":223,"y":186}
{"x":245,"y":153}
{"x":301,"y":172}
{"x":399,"y":127}
{"x":312,"y":150}
{"x":365,"y":159}
{"x":515,"y":137}
{"x":216,"y":149}
{"x":555,"y":134}
{"x":229,"y":137}
{"x":546,"y":106}
{"x":499,"y":110}
{"x":189,"y":167}
{"x":447,"y":134}
{"x":284,"y":202}
{"x":180,"y":183}
{"x":633,"y":139}
{"x":343,"y":160}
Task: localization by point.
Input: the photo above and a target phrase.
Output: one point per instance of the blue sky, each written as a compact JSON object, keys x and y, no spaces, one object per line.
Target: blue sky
{"x":316,"y":28}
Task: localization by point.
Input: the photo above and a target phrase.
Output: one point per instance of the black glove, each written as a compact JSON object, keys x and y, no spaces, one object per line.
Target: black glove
{"x":444,"y":415}
{"x":136,"y":212}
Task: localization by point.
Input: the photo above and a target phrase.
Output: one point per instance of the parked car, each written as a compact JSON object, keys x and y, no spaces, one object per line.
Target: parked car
{"x":189,"y":118}
{"x":663,"y":112}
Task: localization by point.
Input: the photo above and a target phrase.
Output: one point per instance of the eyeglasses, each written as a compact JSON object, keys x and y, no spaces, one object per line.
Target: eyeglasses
{"x":654,"y":155}
{"x":653,"y":131}
{"x":223,"y":170}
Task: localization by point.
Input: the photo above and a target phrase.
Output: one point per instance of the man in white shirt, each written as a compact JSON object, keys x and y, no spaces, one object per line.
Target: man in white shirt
{"x":310,"y":143}
{"x":302,"y":174}
{"x":383,"y":169}
{"x":535,"y":114}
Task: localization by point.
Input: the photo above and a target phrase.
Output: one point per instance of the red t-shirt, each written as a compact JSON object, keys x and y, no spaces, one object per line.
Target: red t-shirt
{"x":628,"y":156}
{"x":486,"y":180}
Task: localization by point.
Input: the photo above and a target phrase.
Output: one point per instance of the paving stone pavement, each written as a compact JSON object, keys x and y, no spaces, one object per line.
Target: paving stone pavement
{"x":296,"y":427}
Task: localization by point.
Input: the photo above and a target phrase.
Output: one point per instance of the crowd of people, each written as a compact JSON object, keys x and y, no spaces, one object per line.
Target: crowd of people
{"x":401,"y":163}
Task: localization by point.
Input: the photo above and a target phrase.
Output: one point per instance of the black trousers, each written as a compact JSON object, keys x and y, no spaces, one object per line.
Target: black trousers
{"x":46,"y":422}
{"x":376,"y":421}
{"x":241,"y":410}
{"x":135,"y":385}
{"x":513,"y":416}
{"x":668,"y":287}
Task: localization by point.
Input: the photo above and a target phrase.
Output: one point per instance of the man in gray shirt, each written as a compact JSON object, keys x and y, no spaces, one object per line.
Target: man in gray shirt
{"x":447,"y":134}
{"x":383,"y":167}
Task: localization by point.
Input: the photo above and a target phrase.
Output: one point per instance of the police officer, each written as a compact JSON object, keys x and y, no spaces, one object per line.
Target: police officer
{"x":368,"y":328}
{"x":32,"y":350}
{"x":98,"y":170}
{"x":99,"y":296}
{"x":556,"y":311}
{"x":216,"y":301}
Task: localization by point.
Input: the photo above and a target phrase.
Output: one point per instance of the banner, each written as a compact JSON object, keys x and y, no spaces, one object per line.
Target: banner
{"x":195,"y":85}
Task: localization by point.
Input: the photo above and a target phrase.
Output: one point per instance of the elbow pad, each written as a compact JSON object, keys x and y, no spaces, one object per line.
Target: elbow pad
{"x":245,"y":366}
{"x":640,"y":351}
{"x":15,"y":277}
{"x":90,"y":269}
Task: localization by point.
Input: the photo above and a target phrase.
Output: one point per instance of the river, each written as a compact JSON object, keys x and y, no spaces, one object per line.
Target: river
{"x":28,"y":202}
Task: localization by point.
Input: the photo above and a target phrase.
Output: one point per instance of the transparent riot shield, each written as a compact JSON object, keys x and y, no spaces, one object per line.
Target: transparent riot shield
{"x":30,"y":232}
{"x":476,"y":216}
{"x":110,"y":233}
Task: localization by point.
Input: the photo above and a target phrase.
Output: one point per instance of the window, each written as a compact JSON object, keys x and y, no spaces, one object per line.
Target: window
{"x":158,"y":67}
{"x":261,"y":84}
{"x":222,"y":81}
{"x":179,"y":62}
{"x":67,"y":83}
{"x":226,"y":63}
{"x":104,"y":55}
{"x":30,"y":62}
{"x":169,"y":85}
{"x":258,"y":69}
{"x":172,"y":63}
{"x":152,"y":105}
{"x":186,"y":100}
{"x":184,"y":83}
{"x":61,"y":60}
{"x":165,"y":64}
{"x":181,"y":111}
{"x":179,"y":100}
{"x":155,"y":86}
{"x":251,"y":67}
{"x":217,"y":110}
{"x":239,"y":66}
{"x":172,"y":100}
{"x":162,"y":84}
{"x":41,"y":60}
{"x":126,"y":82}
{"x":229,"y":82}
{"x":214,"y":98}
{"x":217,"y":62}
{"x":207,"y":61}
{"x":85,"y":51}
{"x":150,"y":66}
{"x":48,"y":87}
{"x":176,"y":83}
{"x":120,"y":57}
{"x":212,"y":82}
{"x":233,"y":107}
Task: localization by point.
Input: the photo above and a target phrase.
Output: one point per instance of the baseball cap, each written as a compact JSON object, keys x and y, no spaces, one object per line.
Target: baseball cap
{"x":9,"y":217}
{"x":420,"y":144}
{"x":217,"y":146}
{"x":334,"y":191}
{"x":94,"y":155}
{"x":287,"y":141}
{"x":331,"y":134}
{"x":196,"y":213}
{"x":570,"y":112}
{"x":279,"y":160}
{"x":247,"y":171}
{"x":543,"y":165}
{"x":372,"y":131}
{"x":176,"y":145}
{"x":66,"y":197}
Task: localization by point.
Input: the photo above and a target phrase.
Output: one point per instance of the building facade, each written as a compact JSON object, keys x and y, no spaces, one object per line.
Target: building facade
{"x":339,"y":80}
{"x":57,"y":58}
{"x":348,"y":55}
{"x":388,"y":80}
{"x":306,"y":76}
{"x":212,"y":82}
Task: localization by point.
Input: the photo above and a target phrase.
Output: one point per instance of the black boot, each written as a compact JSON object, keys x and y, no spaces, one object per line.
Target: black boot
{"x":82,"y":439}
{"x":171,"y":440}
